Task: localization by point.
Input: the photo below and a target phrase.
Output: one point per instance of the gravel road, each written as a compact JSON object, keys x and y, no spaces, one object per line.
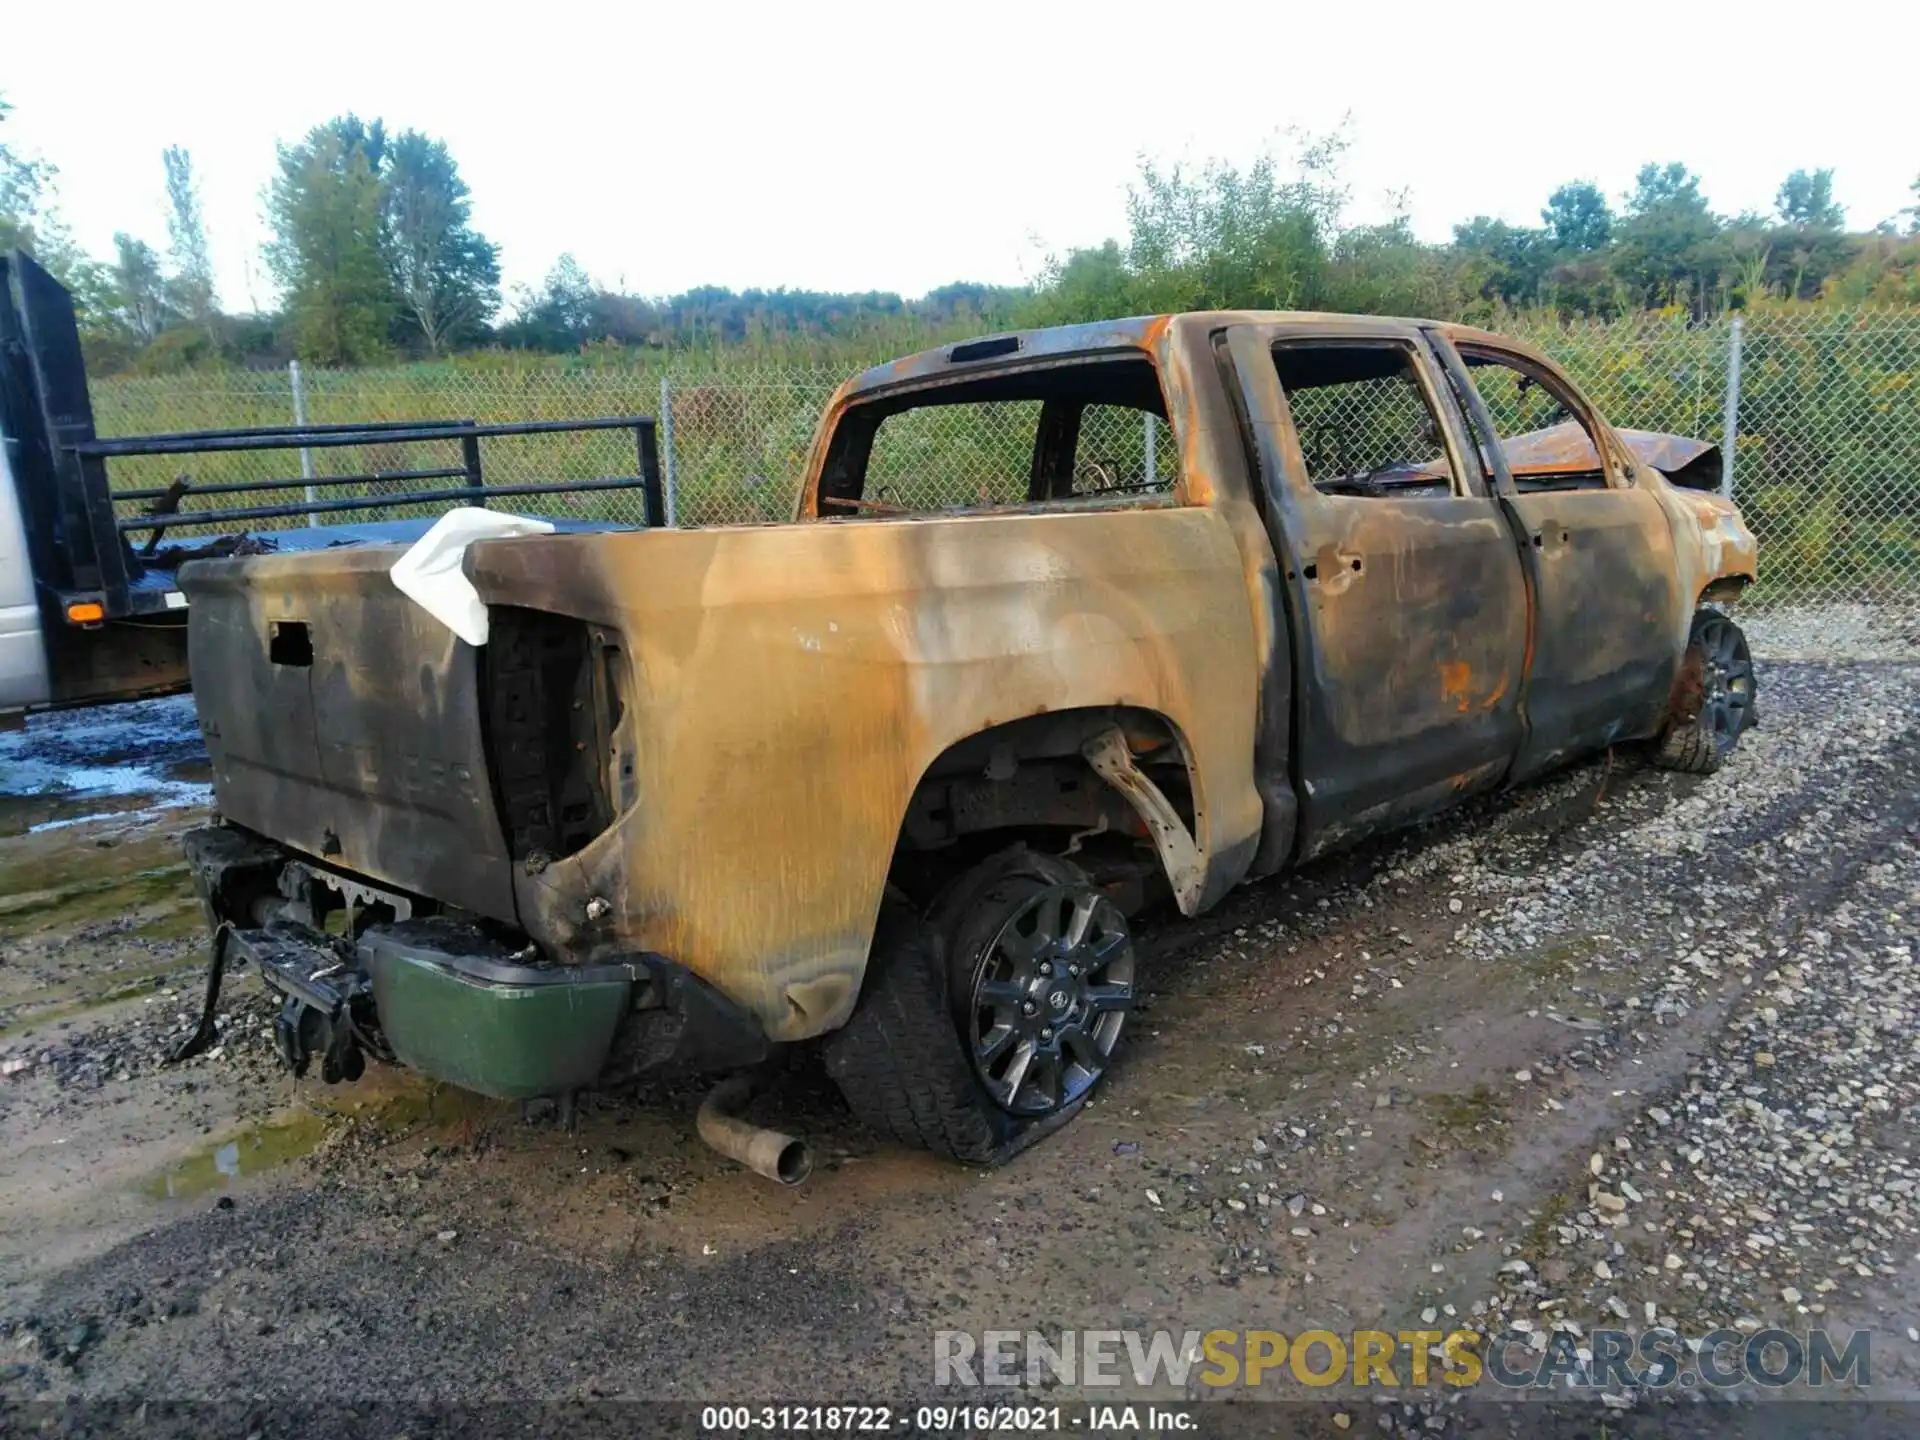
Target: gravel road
{"x":1622,"y":1049}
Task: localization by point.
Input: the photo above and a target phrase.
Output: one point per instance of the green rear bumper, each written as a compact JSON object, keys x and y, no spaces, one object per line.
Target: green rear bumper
{"x":510,"y":1031}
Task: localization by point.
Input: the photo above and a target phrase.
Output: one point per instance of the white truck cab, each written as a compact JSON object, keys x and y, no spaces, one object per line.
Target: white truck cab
{"x":23,"y":657}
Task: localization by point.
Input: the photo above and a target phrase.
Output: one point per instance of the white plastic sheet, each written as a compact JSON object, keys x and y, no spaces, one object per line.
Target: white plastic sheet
{"x":430,"y":575}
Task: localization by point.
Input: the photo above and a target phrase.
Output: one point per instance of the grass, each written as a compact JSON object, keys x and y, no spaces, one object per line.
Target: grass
{"x":1475,"y":1112}
{"x":94,"y":898}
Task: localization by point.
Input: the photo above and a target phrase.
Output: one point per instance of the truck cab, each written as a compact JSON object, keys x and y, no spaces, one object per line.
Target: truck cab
{"x":68,"y":581}
{"x":1066,"y":621}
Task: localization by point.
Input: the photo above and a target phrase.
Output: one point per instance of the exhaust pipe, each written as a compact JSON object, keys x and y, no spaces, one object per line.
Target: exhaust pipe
{"x":765,"y":1152}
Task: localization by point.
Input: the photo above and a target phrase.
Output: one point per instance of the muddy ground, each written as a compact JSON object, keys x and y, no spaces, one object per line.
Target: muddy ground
{"x":1622,"y":1048}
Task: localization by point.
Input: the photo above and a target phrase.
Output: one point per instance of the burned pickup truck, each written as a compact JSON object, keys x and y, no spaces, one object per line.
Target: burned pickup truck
{"x":1066,"y":621}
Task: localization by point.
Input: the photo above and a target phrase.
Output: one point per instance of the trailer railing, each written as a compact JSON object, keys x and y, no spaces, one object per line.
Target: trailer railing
{"x":77,"y":524}
{"x":84,"y":462}
{"x":471,"y":470}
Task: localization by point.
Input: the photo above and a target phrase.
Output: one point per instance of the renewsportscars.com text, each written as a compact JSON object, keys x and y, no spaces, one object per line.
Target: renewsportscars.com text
{"x":1513,"y":1359}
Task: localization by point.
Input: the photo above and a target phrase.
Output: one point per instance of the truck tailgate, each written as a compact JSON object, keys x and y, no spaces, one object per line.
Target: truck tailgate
{"x":343,"y":720}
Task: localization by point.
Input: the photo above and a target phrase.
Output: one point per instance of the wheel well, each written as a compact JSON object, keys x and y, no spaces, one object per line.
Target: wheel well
{"x":1029,"y":782}
{"x":1727,"y":587}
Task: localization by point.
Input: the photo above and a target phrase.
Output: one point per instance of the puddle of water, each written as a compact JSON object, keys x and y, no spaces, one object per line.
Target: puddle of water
{"x":146,"y":734}
{"x":392,"y":1102}
{"x":146,"y":753}
{"x":169,"y":797}
{"x":253,"y":1151}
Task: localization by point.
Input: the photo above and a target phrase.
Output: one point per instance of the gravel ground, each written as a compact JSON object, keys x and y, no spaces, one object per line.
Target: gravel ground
{"x":1622,"y":1048}
{"x":1887,"y":629}
{"x":1774,"y":1182}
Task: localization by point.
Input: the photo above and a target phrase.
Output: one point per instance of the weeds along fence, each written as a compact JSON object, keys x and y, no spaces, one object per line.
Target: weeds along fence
{"x":1824,"y":411}
{"x":1823,"y":406}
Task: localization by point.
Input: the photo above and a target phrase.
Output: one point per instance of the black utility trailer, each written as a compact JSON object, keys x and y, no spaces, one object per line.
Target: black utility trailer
{"x":89,"y":607}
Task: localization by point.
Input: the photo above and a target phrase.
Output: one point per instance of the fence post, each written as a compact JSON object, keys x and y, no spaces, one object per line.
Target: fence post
{"x":300,"y":418}
{"x":1152,"y":458}
{"x":470,"y":462}
{"x":666,"y":451}
{"x":1730,"y":416}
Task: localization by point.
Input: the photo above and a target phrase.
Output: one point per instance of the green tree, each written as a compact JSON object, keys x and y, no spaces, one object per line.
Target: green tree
{"x":446,"y":273}
{"x":1805,"y":201}
{"x":1229,"y":238}
{"x":1579,"y":218}
{"x":1883,"y":269}
{"x":560,"y":315}
{"x":1092,"y":283}
{"x":1666,"y":251}
{"x":327,"y":207}
{"x":1501,"y":262}
{"x":30,"y":219}
{"x":1810,"y":243}
{"x":29,"y":215}
{"x":1383,"y":270}
{"x":140,"y":287}
{"x":191,"y":286}
{"x":989,"y":303}
{"x":25,"y":183}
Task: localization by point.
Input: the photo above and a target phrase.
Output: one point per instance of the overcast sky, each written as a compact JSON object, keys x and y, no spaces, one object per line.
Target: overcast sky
{"x":900,"y":146}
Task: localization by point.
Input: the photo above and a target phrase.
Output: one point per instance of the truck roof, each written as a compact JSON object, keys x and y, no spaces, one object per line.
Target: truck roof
{"x":1141,"y":332}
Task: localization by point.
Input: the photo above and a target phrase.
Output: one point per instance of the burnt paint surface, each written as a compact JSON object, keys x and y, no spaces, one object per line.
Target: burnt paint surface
{"x":785,"y":687}
{"x":1409,"y":617}
{"x":1710,"y":541}
{"x":369,"y":756}
{"x":1613,"y":573}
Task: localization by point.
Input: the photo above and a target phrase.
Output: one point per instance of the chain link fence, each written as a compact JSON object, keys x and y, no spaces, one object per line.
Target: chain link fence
{"x":734,"y":442}
{"x":1824,"y":403}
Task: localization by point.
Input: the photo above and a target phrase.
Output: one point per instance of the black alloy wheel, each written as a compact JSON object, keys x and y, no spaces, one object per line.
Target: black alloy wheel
{"x":1726,"y":680}
{"x":1049,"y":997}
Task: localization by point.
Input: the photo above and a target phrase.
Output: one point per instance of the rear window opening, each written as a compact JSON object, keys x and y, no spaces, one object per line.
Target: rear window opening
{"x":1092,"y":431}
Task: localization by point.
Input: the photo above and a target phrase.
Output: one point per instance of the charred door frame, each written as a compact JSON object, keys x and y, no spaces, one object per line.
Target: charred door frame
{"x":1464,"y":721}
{"x":1565,"y":714}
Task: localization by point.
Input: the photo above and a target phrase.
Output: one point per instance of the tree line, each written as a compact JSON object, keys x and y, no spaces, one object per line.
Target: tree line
{"x":376,"y":258}
{"x":1222,"y":236}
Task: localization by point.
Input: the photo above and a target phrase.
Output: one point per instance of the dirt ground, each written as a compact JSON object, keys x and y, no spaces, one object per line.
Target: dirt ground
{"x":1619,"y":1048}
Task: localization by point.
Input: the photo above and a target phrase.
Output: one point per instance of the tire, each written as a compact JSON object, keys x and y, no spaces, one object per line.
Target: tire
{"x":1719,"y":703}
{"x":938,"y":993}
